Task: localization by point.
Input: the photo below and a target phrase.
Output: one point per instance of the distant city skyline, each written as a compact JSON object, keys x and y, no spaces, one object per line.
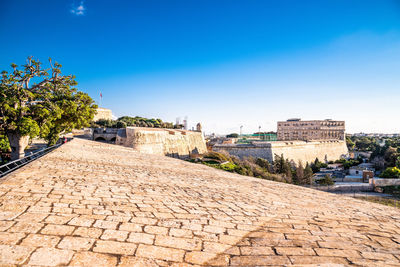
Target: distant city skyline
{"x":221,"y":63}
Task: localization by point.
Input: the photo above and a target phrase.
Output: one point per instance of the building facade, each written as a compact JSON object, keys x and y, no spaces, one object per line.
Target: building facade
{"x":296,"y":129}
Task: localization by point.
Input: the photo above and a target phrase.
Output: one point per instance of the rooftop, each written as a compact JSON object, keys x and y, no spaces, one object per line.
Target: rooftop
{"x":96,"y":204}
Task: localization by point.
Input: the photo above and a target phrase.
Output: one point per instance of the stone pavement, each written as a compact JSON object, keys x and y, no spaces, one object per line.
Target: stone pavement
{"x":96,"y":204}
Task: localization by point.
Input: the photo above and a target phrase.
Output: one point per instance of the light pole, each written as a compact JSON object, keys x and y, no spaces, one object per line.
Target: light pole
{"x":241,"y":126}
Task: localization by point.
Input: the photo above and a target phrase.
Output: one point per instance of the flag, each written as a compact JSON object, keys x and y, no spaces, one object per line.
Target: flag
{"x":101,"y":95}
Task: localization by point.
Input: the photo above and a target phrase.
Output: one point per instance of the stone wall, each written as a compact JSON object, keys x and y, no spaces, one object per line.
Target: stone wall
{"x":170,"y":142}
{"x":103,"y":113}
{"x":292,"y":150}
{"x":384,"y":181}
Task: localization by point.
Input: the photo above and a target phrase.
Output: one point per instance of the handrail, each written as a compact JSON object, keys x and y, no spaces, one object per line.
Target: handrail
{"x":18,"y":163}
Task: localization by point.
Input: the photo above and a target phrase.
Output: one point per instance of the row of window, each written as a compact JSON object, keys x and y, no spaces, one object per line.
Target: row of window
{"x":324,"y":123}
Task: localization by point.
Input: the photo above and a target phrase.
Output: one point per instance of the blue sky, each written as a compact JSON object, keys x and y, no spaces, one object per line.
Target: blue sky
{"x":223,"y":63}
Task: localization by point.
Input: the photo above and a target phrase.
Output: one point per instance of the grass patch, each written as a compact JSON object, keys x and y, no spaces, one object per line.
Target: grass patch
{"x":381,"y":200}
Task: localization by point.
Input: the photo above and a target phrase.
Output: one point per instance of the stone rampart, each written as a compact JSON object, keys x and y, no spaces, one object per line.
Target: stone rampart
{"x":292,"y":150}
{"x":170,"y":142}
{"x":103,"y":114}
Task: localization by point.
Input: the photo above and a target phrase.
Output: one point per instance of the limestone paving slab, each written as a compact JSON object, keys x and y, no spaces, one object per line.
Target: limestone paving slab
{"x":96,"y":204}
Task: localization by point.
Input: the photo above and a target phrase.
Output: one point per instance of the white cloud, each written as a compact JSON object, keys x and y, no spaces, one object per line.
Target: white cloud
{"x":78,"y":10}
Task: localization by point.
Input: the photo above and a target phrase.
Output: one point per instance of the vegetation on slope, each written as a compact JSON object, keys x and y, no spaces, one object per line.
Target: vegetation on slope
{"x":381,"y":200}
{"x":280,"y":170}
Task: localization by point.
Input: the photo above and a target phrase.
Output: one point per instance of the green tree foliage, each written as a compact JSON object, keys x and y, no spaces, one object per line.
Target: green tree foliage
{"x":4,"y":148}
{"x":137,"y":121}
{"x":392,"y":156}
{"x":287,"y":171}
{"x":299,"y":177}
{"x":48,"y":107}
{"x":391,"y":172}
{"x":317,"y":165}
{"x":279,"y":164}
{"x":219,"y":157}
{"x":387,"y":153}
{"x":327,"y":180}
{"x":349,"y":163}
{"x":263,"y":163}
{"x":106,"y":123}
{"x":308,"y":174}
{"x":350,"y":144}
{"x":365,"y":143}
{"x":121,"y":124}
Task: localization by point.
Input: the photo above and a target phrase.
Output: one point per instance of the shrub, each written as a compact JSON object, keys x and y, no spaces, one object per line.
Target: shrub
{"x":121,"y":124}
{"x":230,"y":167}
{"x":327,"y":180}
{"x":391,"y":189}
{"x":263,"y":163}
{"x":217,"y":156}
{"x":393,"y":172}
{"x":255,"y":167}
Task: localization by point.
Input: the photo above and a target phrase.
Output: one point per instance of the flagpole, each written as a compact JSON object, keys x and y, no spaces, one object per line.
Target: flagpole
{"x":101,"y":98}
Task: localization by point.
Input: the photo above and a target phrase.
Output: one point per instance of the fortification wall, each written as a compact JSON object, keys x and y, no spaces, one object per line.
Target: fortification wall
{"x":246,"y":150}
{"x":170,"y":142}
{"x":292,"y":150}
{"x":103,"y":113}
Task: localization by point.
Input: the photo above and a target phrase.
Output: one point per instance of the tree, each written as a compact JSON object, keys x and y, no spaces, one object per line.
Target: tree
{"x":120,"y":124}
{"x":279,"y":163}
{"x":350,"y":143}
{"x":317,"y":165}
{"x":263,"y":163}
{"x":308,"y":174}
{"x":393,"y":172}
{"x":327,"y":180}
{"x":287,"y":171}
{"x":46,"y":108}
{"x":391,"y":156}
{"x":300,"y":174}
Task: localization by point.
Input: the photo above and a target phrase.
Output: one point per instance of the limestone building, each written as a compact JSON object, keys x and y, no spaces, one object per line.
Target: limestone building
{"x":103,"y":113}
{"x":296,"y":129}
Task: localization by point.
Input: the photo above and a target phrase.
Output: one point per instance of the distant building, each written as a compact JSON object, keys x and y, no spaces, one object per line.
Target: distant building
{"x":103,"y":113}
{"x":360,"y":173}
{"x":296,"y":129}
{"x":265,"y":136}
{"x":358,"y":170}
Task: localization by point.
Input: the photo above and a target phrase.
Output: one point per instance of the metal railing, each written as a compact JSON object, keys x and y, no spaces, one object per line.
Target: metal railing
{"x":18,"y":163}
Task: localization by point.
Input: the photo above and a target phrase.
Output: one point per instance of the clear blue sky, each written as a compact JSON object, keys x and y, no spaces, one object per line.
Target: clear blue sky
{"x":224,"y":63}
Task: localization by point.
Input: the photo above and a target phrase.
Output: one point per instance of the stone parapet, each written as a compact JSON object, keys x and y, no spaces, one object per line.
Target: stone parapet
{"x":170,"y":142}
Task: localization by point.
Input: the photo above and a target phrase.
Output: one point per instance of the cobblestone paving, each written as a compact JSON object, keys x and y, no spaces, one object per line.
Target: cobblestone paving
{"x":94,"y":204}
